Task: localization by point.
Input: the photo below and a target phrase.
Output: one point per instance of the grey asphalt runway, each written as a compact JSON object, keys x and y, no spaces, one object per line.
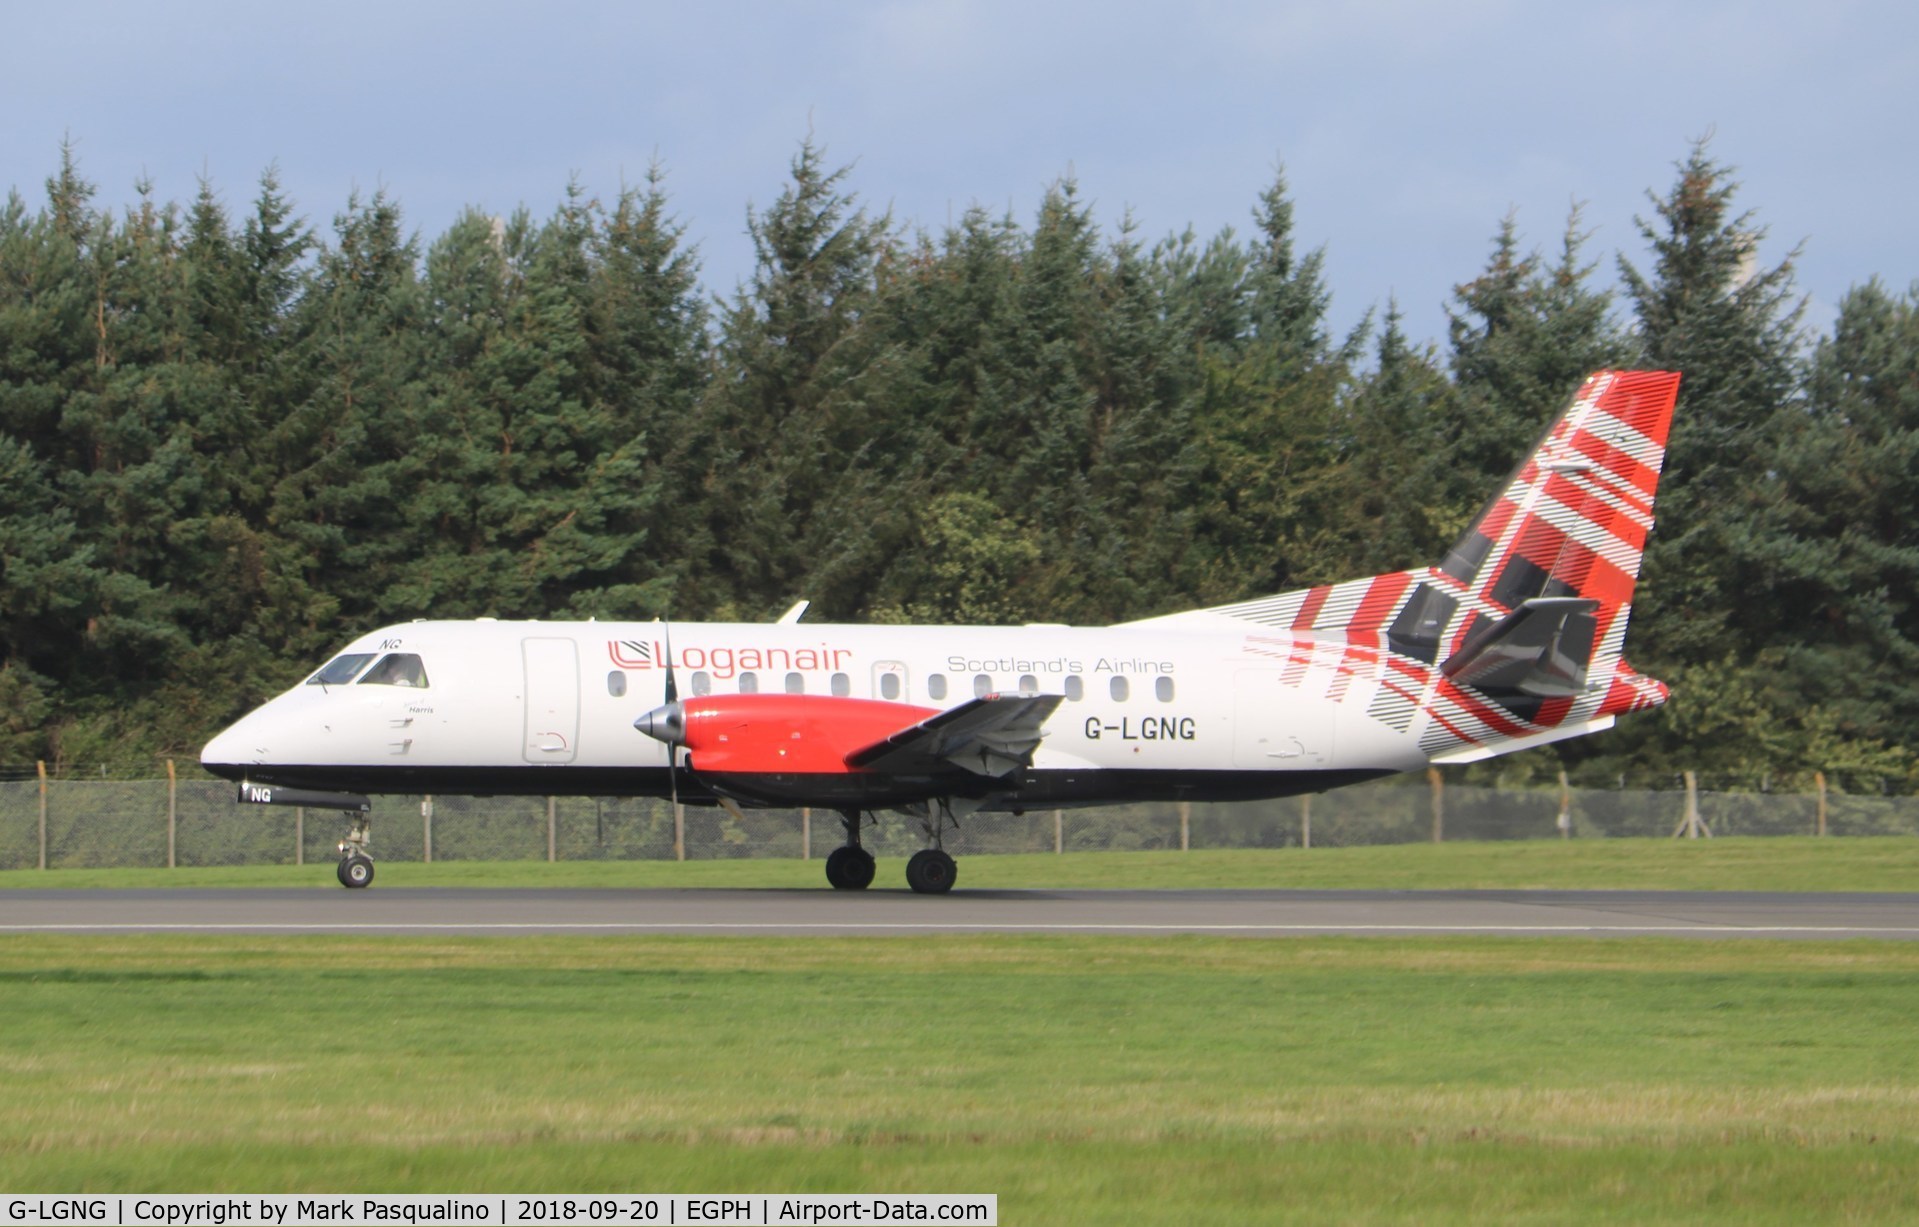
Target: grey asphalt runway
{"x":1252,"y":913}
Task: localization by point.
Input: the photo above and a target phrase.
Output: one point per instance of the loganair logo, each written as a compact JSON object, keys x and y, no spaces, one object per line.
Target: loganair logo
{"x":728,"y":661}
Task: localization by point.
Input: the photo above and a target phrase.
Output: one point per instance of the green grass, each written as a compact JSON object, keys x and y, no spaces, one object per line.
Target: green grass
{"x":1884,"y":863}
{"x":1082,"y":1079}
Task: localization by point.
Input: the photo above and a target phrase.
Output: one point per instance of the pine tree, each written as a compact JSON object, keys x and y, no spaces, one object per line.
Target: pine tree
{"x":1840,"y":546}
{"x":1289,"y":299}
{"x":1524,"y":334}
{"x":1709,"y":310}
{"x":343,"y":500}
{"x":779,"y":452}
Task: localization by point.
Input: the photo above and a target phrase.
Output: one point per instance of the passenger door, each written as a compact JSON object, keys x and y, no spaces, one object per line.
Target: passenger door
{"x":552,"y":700}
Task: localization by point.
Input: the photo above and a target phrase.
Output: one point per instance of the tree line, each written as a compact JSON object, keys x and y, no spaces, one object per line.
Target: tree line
{"x":231,"y":439}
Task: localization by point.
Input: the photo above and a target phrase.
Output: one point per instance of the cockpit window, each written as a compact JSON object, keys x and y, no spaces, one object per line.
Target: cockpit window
{"x":396,"y":669}
{"x":341,"y":669}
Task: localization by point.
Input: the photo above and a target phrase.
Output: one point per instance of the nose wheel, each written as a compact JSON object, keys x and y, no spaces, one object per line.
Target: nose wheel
{"x":356,"y":870}
{"x":356,"y":867}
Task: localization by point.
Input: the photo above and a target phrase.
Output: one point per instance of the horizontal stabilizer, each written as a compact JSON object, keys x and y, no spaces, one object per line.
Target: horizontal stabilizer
{"x":991,"y":736}
{"x":1480,"y":753}
{"x":1540,"y":649}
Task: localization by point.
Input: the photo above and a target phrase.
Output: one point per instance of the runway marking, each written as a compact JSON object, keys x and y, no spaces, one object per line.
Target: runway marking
{"x":934,"y":926}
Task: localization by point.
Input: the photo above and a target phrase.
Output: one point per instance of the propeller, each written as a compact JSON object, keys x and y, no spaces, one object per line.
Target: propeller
{"x":667,"y":722}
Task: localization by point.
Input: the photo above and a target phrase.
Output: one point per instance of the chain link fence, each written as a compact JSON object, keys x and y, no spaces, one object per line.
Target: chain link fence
{"x":126,"y":823}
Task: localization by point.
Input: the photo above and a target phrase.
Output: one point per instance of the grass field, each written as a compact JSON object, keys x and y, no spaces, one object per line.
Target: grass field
{"x":1887,"y":863}
{"x":1099,"y":1080}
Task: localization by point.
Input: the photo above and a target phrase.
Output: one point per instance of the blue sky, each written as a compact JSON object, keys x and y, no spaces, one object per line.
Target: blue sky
{"x":1407,"y":130}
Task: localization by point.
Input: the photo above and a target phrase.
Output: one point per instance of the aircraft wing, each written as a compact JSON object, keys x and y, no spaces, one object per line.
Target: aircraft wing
{"x":992,"y":736}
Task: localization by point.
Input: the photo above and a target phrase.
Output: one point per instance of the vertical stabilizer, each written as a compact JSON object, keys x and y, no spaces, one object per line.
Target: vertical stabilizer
{"x":1574,"y":517}
{"x":1516,"y":637}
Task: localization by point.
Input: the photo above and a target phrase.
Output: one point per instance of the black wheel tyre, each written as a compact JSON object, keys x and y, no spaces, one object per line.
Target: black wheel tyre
{"x":931,"y":872}
{"x":850,"y":868}
{"x":356,"y":871}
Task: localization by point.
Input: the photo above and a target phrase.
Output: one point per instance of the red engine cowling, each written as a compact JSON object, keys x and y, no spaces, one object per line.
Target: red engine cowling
{"x":788,"y":734}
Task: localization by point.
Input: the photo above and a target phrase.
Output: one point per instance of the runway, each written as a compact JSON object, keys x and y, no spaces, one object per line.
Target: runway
{"x":1249,"y":913}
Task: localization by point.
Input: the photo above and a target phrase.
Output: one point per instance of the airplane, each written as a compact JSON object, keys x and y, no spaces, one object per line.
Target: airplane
{"x":1514,"y":640}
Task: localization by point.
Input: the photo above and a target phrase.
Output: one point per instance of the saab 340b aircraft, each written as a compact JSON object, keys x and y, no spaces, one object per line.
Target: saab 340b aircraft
{"x":1514,"y":640}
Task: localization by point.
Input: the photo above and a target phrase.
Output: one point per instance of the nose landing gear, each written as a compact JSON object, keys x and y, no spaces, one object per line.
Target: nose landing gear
{"x":356,"y":866}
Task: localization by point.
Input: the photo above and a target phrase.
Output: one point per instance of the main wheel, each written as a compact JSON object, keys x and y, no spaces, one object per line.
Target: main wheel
{"x":931,"y":872}
{"x":356,"y":871}
{"x":850,"y":868}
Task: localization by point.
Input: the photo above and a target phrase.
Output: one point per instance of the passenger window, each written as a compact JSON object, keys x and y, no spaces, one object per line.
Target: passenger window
{"x":1028,"y":684}
{"x":702,"y":682}
{"x":396,"y":669}
{"x":936,"y":685}
{"x":795,"y":683}
{"x":616,"y":683}
{"x":842,"y":685}
{"x":749,"y":683}
{"x":340,"y":670}
{"x":889,"y":686}
{"x":1163,"y":687}
{"x":982,"y":686}
{"x":1119,"y":689}
{"x":1075,"y":689}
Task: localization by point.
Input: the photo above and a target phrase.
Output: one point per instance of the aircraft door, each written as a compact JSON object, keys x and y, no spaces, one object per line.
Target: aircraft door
{"x":552,"y":700}
{"x":1276,"y":727}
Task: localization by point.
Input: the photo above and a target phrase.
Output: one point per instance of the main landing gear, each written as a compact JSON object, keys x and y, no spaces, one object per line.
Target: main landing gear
{"x":932,"y":871}
{"x":356,"y":866}
{"x":850,"y":867}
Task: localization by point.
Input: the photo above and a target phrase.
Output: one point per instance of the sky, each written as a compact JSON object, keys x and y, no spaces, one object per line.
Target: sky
{"x":1406,"y":130}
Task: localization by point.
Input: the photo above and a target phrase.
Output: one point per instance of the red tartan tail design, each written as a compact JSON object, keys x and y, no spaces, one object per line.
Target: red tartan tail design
{"x":1573,"y":520}
{"x":1519,"y":631}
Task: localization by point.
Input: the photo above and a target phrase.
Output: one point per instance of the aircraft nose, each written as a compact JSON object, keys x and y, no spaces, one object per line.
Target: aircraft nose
{"x":666,"y":723}
{"x":231,"y":748}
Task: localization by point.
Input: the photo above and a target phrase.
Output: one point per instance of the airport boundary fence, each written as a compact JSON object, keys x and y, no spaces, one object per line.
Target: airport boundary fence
{"x":68,"y":823}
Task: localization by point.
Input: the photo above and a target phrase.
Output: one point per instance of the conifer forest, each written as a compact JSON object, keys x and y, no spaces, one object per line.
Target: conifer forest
{"x":233,"y":436}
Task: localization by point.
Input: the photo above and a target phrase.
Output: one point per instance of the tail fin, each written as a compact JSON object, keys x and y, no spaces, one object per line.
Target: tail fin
{"x":1516,"y":637}
{"x":1573,"y":519}
{"x":1543,"y":579}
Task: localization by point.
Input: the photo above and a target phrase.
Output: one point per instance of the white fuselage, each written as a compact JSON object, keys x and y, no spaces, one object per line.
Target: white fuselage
{"x":1214,"y":711}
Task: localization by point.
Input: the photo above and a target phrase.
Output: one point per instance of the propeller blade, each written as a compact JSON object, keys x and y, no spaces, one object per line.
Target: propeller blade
{"x":673,"y":703}
{"x":672,"y":687}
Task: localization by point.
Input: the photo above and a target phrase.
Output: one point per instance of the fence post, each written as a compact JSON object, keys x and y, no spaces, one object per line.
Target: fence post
{"x":41,"y":766}
{"x":552,"y":830}
{"x":806,"y":833}
{"x":1185,"y":826}
{"x":299,"y":835}
{"x":1691,"y":823}
{"x":1565,"y":806}
{"x":426,"y":828}
{"x":1439,"y":803}
{"x":173,"y":811}
{"x":1819,"y":782}
{"x":1305,"y":820}
{"x":1059,"y":832}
